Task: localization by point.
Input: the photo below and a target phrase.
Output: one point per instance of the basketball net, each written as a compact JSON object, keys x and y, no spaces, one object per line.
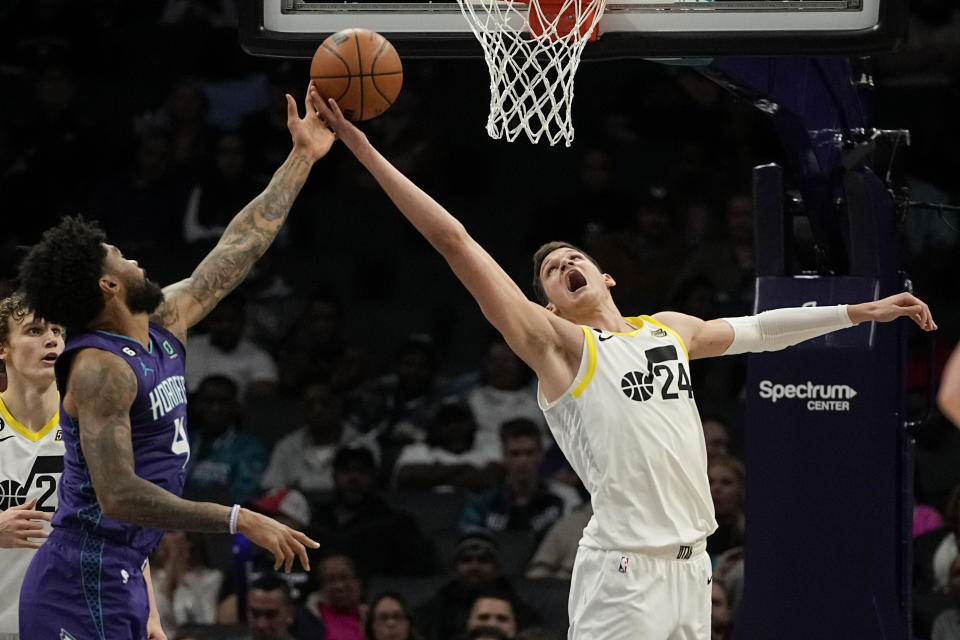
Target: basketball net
{"x":532,"y":51}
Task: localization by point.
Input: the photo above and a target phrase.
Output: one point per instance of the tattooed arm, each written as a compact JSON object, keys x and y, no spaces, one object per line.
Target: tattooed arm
{"x":250,"y":232}
{"x":101,"y":388}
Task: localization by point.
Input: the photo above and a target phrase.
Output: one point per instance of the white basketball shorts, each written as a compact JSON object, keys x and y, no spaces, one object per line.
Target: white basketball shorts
{"x":621,"y":595}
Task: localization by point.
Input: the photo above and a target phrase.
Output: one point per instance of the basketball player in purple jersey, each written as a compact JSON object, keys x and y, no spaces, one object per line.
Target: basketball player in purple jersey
{"x":123,"y":410}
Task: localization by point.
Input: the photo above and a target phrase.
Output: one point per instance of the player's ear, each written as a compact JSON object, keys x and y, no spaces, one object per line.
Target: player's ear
{"x":552,"y":309}
{"x":609,"y":281}
{"x":109,"y":284}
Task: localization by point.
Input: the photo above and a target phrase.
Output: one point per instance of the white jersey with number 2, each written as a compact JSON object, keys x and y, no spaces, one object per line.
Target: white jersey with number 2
{"x":630,"y":428}
{"x":30,"y":467}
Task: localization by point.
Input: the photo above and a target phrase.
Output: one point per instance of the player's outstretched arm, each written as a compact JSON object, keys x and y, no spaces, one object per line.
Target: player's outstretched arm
{"x":252,"y":230}
{"x":101,"y":388}
{"x":948,"y":398}
{"x":534,"y":334}
{"x":21,"y":526}
{"x":780,"y":328}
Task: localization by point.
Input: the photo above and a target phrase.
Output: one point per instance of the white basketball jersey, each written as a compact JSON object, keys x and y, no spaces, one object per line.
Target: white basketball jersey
{"x":629,"y":426}
{"x":30,"y":467}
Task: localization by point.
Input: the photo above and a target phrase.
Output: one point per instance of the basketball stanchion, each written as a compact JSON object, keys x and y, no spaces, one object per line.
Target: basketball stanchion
{"x":532,"y":51}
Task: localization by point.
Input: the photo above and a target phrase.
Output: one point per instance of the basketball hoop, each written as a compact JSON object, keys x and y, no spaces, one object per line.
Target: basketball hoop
{"x":532,"y":51}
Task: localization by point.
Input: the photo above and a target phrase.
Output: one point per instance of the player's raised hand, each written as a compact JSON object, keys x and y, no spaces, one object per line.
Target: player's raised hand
{"x":284,"y":543}
{"x":329,"y":111}
{"x":893,"y":307}
{"x":309,"y":133}
{"x":21,"y":525}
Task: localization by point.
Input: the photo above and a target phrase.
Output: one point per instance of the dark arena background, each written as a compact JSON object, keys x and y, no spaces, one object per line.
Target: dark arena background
{"x":837,"y":482}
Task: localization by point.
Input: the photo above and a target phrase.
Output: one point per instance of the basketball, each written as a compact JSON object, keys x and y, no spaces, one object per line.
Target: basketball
{"x":359,"y":69}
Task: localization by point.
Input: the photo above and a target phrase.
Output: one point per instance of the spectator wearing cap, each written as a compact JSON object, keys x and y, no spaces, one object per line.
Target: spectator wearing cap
{"x":358,"y":521}
{"x":251,"y":562}
{"x":523,"y":501}
{"x":304,"y":459}
{"x":450,"y":457}
{"x":476,"y":569}
{"x":335,"y":610}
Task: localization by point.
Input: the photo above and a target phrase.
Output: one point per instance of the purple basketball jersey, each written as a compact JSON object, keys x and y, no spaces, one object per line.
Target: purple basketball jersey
{"x":158,"y":422}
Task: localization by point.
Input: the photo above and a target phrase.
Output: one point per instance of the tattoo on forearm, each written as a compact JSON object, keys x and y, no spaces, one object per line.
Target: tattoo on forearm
{"x":248,"y":235}
{"x":104,"y":392}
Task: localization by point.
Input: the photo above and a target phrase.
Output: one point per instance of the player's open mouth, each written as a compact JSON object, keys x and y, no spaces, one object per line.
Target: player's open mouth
{"x":50,"y":357}
{"x":575,"y":281}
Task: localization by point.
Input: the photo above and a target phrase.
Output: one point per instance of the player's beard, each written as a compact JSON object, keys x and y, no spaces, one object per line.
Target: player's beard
{"x":144,"y":296}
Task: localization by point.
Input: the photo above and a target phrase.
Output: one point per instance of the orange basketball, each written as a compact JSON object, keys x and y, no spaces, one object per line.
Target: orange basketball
{"x":359,"y":69}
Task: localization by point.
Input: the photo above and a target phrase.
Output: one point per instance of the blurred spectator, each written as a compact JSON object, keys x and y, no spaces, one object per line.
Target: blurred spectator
{"x":522,"y":502}
{"x":214,"y":201}
{"x":399,"y":406}
{"x":185,"y":586}
{"x":536,"y":633}
{"x":716,"y":435}
{"x":148,"y":189}
{"x":273,"y":305}
{"x":727,"y":482}
{"x":226,"y":464}
{"x":251,"y":562}
{"x":304,"y":459}
{"x":728,"y":571}
{"x":216,"y":14}
{"x":728,"y":262}
{"x":491,"y":609}
{"x":484,"y":633}
{"x":936,"y":550}
{"x":946,"y":626}
{"x":358,"y":522}
{"x":389,"y":618}
{"x":316,"y":349}
{"x":926,"y":519}
{"x":224,"y":350}
{"x":270,"y":610}
{"x":476,"y":567}
{"x":556,"y":553}
{"x":185,"y":113}
{"x":449,"y":457}
{"x":948,"y":397}
{"x":721,"y":620}
{"x":335,"y":611}
{"x":506,"y":391}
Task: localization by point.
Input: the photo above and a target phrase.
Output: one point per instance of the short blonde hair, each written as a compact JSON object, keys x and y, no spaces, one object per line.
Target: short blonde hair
{"x":12,"y":309}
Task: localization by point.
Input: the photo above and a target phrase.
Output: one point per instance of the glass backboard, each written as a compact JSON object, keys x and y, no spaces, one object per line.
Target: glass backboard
{"x":628,"y":29}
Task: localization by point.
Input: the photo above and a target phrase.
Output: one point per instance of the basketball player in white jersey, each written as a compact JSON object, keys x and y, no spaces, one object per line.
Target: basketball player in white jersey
{"x":616,"y":394}
{"x":31,"y":450}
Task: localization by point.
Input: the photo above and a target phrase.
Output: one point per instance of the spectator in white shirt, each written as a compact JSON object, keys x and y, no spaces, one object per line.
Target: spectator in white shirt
{"x":224,"y":351}
{"x":304,"y":459}
{"x":449,"y":457}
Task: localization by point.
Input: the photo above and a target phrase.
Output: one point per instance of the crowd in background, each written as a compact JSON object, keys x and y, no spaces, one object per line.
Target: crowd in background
{"x":351,"y":386}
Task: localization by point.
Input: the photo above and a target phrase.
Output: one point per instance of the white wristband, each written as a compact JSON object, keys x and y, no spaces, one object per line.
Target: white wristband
{"x":234,"y":514}
{"x":780,"y":328}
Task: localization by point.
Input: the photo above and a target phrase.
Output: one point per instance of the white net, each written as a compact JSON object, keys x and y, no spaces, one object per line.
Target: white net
{"x":532,"y":51}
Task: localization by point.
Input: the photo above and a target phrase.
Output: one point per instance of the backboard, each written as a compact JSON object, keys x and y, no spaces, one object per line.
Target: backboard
{"x":628,"y":29}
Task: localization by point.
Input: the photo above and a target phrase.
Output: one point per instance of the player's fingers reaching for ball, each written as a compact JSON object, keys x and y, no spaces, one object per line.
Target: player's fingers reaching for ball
{"x":292,"y":112}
